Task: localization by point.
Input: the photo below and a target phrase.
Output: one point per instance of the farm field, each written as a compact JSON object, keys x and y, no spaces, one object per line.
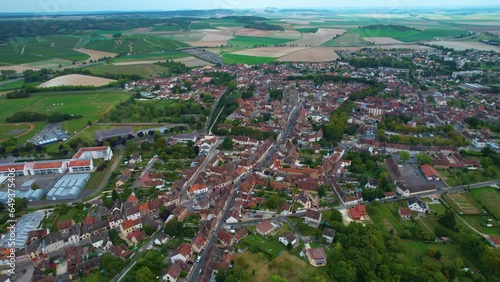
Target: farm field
{"x":252,"y":32}
{"x":382,"y":40}
{"x":151,"y":57}
{"x":463,"y":45}
{"x":213,"y":38}
{"x":182,"y":36}
{"x":460,"y":203}
{"x":319,"y":37}
{"x":90,"y":104}
{"x":143,"y":70}
{"x":273,"y":52}
{"x":135,"y":43}
{"x":408,"y":35}
{"x":248,"y":41}
{"x":76,"y":80}
{"x":48,"y":64}
{"x":307,"y":29}
{"x":200,"y":25}
{"x":242,"y":59}
{"x":315,"y":54}
{"x":348,"y":39}
{"x":165,"y":27}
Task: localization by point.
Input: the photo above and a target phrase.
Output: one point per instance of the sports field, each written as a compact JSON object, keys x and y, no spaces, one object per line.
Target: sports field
{"x":90,"y":104}
{"x":13,"y":130}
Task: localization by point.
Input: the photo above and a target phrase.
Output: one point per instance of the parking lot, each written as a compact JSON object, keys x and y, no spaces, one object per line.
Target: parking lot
{"x":415,"y":177}
{"x":44,"y":182}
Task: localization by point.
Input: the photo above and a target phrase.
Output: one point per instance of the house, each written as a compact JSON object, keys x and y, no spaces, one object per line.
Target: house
{"x":316,"y":256}
{"x":52,"y":242}
{"x":233,"y":216}
{"x":287,"y":238}
{"x":65,"y":225}
{"x":390,"y":195}
{"x":371,"y":183}
{"x":129,"y":226}
{"x":182,"y":253}
{"x":181,"y":212}
{"x":173,"y":273}
{"x":329,"y":234}
{"x":430,"y":173}
{"x":137,"y":236}
{"x":494,"y":241}
{"x":197,"y":189}
{"x":74,"y":234}
{"x":30,"y":252}
{"x":35,"y":235}
{"x":121,"y":251}
{"x":198,"y":243}
{"x":284,"y":208}
{"x":405,"y":213}
{"x":133,"y":213}
{"x":123,"y":178}
{"x":240,"y":234}
{"x":224,"y":238}
{"x":264,"y":228}
{"x":416,"y":204}
{"x":312,"y":217}
{"x":101,"y":240}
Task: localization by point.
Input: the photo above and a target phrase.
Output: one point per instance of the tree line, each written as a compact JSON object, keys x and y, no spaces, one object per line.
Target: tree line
{"x":29,"y":116}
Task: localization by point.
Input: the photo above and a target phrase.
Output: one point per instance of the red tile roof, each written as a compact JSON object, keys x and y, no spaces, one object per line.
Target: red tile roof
{"x":495,"y":240}
{"x":80,"y":163}
{"x":12,"y":166}
{"x":264,"y":227}
{"x":48,"y":165}
{"x":429,"y":171}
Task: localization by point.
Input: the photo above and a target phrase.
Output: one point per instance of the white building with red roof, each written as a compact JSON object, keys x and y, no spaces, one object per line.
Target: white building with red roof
{"x":84,"y":165}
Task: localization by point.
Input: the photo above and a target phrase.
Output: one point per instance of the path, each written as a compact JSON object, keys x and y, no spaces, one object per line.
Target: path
{"x":210,"y":116}
{"x":215,"y":121}
{"x":470,"y":226}
{"x":130,"y":47}
{"x":22,"y":50}
{"x":31,"y":125}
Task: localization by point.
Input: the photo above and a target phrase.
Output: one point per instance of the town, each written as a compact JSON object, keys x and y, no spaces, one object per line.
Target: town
{"x":380,"y":165}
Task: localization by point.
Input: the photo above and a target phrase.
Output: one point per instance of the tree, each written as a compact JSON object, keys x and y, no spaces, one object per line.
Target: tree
{"x":404,"y":156}
{"x":227,"y":144}
{"x":174,"y":228}
{"x":322,"y":191}
{"x":144,"y":274}
{"x":20,"y":204}
{"x":336,"y":215}
{"x":277,"y":278}
{"x":448,"y":220}
{"x":114,"y":195}
{"x":423,"y":158}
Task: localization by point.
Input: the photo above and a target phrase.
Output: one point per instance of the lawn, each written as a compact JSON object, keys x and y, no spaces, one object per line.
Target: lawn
{"x":258,"y":243}
{"x":307,"y":30}
{"x":163,"y":56}
{"x":409,"y":35}
{"x":135,"y":44}
{"x":459,"y":177}
{"x":90,"y":104}
{"x":242,"y":59}
{"x":385,"y":216}
{"x":348,"y":39}
{"x":250,"y":41}
{"x":143,"y":70}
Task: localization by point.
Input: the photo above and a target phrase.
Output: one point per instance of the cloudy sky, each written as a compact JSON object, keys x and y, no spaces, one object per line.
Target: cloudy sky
{"x":57,"y":6}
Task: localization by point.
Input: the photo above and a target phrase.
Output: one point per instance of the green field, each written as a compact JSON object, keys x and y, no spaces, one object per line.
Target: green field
{"x":135,"y":44}
{"x":90,"y":104}
{"x":63,"y":41}
{"x":409,"y":35}
{"x":165,"y":27}
{"x":27,"y":50}
{"x":385,"y":217}
{"x":151,"y":57}
{"x":11,"y":85}
{"x":307,"y":30}
{"x":200,"y":25}
{"x":250,"y":41}
{"x":186,"y":36}
{"x":489,"y":197}
{"x":348,"y":39}
{"x":143,"y":70}
{"x":242,"y":59}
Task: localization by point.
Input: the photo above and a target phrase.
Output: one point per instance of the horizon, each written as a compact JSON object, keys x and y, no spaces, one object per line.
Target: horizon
{"x":60,"y":7}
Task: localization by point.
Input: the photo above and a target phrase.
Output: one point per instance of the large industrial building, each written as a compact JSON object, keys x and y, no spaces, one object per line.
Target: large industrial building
{"x":68,"y":187}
